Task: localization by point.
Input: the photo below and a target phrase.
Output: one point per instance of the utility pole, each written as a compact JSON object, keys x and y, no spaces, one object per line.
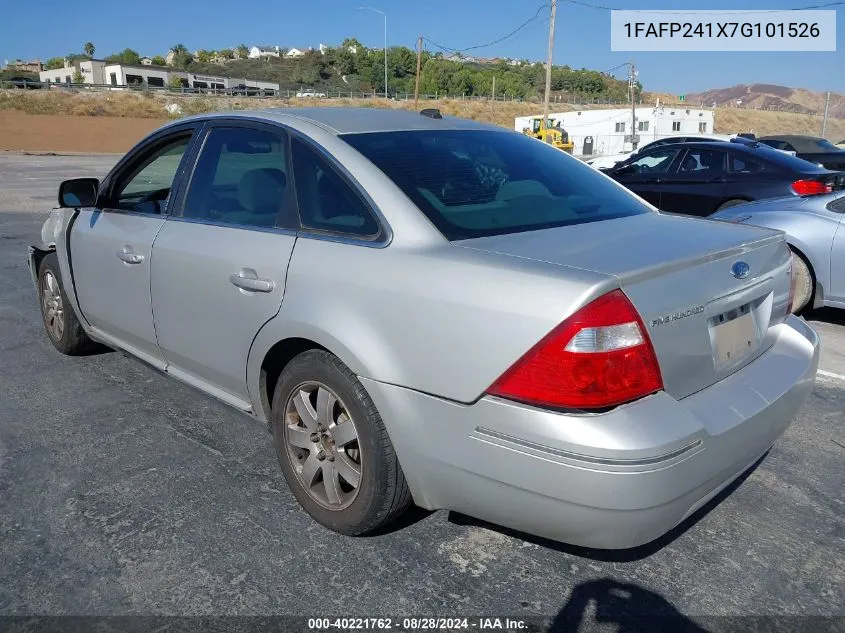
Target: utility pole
{"x":824,"y":120}
{"x":549,"y":72}
{"x":494,"y":88}
{"x":419,"y":63}
{"x":631,"y":87}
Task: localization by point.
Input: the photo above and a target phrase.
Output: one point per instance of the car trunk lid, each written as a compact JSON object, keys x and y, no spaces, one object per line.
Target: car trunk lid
{"x":708,"y":291}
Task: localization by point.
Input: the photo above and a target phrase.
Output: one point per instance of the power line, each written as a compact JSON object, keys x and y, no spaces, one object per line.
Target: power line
{"x":494,"y":42}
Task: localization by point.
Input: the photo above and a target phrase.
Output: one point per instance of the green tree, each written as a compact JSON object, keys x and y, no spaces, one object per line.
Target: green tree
{"x":181,"y":57}
{"x":126,"y":56}
{"x":175,"y":83}
{"x":158,"y":60}
{"x":227,"y":53}
{"x":78,"y":77}
{"x":243,"y":51}
{"x":352,"y":42}
{"x":55,"y":62}
{"x":203,"y":56}
{"x":89,"y":49}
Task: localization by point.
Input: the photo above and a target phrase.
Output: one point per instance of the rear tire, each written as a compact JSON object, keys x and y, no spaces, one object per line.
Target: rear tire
{"x":327,"y":429}
{"x":731,"y":203}
{"x":63,"y":328}
{"x":804,"y":285}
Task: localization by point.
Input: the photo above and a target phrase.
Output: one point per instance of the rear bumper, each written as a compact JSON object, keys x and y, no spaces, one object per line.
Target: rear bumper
{"x":613,"y":480}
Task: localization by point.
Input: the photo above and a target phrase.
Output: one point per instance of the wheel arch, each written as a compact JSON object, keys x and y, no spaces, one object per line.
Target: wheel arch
{"x":275,"y":345}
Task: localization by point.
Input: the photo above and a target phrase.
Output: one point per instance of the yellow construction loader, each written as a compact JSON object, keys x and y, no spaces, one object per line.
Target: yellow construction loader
{"x":553,"y":134}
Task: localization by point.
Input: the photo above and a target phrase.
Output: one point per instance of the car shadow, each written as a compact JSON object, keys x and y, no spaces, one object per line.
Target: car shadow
{"x":833,"y":316}
{"x":609,"y":555}
{"x":630,"y":607}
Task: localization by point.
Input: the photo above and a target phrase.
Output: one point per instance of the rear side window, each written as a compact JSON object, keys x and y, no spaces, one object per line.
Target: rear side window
{"x":241,"y":177}
{"x":744,"y":165}
{"x":473,"y":183}
{"x":708,"y":162}
{"x":326,"y":201}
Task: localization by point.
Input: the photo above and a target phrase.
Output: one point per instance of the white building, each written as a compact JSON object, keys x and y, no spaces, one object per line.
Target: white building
{"x":120,"y":76}
{"x":599,"y":132}
{"x":263,"y":52}
{"x":294,"y":52}
{"x":146,"y":61}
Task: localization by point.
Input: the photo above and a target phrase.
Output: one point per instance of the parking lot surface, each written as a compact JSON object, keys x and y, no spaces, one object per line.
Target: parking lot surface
{"x":125,"y":492}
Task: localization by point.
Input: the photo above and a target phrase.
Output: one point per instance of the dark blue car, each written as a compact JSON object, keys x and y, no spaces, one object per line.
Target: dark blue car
{"x":702,"y":178}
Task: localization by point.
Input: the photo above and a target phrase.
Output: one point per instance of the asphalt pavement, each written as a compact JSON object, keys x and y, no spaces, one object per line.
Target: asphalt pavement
{"x":125,"y":492}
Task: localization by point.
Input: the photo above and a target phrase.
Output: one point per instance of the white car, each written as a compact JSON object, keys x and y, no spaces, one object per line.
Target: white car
{"x":310,"y":93}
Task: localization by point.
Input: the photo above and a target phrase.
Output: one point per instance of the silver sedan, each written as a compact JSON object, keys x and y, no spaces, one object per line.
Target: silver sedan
{"x":435,"y":310}
{"x":815,"y":232}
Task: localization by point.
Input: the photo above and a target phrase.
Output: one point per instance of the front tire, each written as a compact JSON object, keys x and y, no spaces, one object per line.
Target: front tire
{"x":63,"y":328}
{"x":333,"y":447}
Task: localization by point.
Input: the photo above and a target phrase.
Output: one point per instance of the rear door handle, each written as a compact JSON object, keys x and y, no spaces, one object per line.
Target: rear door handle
{"x":248,"y":279}
{"x":127,"y":255}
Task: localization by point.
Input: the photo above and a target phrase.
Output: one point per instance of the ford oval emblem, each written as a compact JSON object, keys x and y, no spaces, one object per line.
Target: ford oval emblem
{"x":740,"y":270}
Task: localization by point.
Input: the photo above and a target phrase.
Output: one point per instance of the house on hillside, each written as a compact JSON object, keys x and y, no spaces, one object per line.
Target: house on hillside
{"x":294,"y":52}
{"x":323,"y":48}
{"x":263,"y":52}
{"x":146,"y":61}
{"x":34,"y":66}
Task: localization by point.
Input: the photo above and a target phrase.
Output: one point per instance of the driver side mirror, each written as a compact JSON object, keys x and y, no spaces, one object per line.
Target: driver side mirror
{"x":79,"y":192}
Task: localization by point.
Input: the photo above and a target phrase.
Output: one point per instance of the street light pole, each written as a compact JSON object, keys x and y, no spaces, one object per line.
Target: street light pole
{"x":385,"y":45}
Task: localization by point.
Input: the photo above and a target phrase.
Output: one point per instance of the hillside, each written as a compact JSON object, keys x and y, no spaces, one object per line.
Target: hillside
{"x":771,"y":97}
{"x":43,"y":120}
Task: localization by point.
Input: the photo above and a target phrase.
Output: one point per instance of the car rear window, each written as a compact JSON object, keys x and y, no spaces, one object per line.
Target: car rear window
{"x":474,"y":183}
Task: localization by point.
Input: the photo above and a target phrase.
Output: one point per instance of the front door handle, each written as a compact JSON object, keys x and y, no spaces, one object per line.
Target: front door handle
{"x":127,"y":255}
{"x":248,"y":279}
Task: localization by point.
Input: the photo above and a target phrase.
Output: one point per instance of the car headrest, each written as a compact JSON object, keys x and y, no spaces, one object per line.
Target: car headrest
{"x":262,"y":190}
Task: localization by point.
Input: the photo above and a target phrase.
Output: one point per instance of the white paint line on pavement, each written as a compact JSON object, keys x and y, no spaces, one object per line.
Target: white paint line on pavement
{"x":830,"y":374}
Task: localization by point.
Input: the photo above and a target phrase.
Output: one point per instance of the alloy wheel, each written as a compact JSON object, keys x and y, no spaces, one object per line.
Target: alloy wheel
{"x":322,"y":445}
{"x":52,"y":305}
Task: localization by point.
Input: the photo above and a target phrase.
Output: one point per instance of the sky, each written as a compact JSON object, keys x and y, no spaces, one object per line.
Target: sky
{"x":582,"y":36}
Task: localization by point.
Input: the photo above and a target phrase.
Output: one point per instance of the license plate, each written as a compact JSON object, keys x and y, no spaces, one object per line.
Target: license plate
{"x":734,"y":340}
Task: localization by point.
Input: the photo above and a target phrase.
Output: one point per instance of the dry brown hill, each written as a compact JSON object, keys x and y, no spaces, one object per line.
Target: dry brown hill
{"x":771,"y":97}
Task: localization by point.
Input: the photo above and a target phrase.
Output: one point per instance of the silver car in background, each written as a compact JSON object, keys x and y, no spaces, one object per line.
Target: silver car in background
{"x":815,"y":232}
{"x":431,"y":309}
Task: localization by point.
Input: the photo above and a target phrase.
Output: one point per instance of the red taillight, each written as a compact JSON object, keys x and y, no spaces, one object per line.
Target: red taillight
{"x":810,"y":187}
{"x":599,"y":357}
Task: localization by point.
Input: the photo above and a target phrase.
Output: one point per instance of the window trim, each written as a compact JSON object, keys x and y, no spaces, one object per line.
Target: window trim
{"x":836,"y":206}
{"x":138,"y":154}
{"x":282,"y":224}
{"x":385,"y":234}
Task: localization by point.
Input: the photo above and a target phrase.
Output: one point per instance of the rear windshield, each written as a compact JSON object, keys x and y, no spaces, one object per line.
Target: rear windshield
{"x":474,"y":183}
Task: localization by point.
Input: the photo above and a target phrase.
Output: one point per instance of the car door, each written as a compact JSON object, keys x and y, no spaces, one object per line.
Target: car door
{"x":110,"y":246}
{"x":837,"y":255}
{"x":695,"y":184}
{"x":219,"y":262}
{"x":643,"y":174}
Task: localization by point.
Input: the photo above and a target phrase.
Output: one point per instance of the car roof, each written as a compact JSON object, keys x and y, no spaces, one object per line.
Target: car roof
{"x":789,"y":137}
{"x":358,"y":120}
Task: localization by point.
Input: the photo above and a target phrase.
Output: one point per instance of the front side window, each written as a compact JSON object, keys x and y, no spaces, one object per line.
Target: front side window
{"x":145,"y":188}
{"x":241,"y":177}
{"x":473,"y":183}
{"x":656,"y":162}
